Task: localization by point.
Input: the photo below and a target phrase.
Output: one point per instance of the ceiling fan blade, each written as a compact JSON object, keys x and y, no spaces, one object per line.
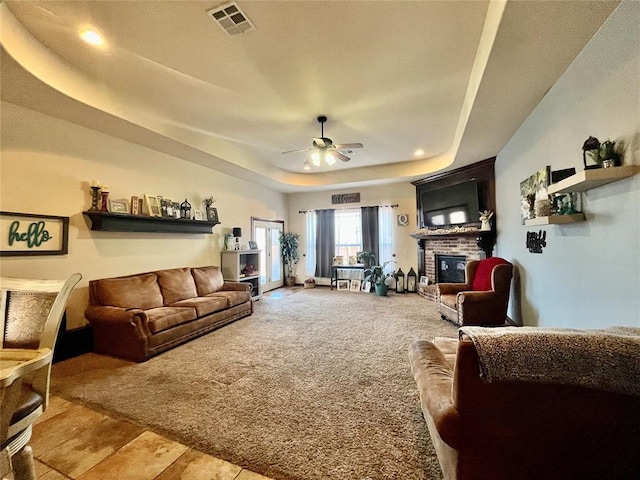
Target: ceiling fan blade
{"x":299,"y":150}
{"x":339,"y":155}
{"x":319,"y":142}
{"x":346,"y":146}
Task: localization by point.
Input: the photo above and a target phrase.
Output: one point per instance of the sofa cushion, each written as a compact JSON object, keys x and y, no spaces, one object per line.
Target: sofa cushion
{"x":176,"y":284}
{"x":208,"y":280}
{"x":137,"y":291}
{"x":482,"y":278}
{"x":164,"y":318}
{"x":203,"y":305}
{"x":233,"y":298}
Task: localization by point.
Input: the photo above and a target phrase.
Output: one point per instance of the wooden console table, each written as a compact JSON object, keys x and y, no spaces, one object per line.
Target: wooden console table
{"x":335,"y":268}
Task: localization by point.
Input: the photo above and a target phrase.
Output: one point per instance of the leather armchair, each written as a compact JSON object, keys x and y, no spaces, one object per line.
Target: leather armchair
{"x":482,"y":299}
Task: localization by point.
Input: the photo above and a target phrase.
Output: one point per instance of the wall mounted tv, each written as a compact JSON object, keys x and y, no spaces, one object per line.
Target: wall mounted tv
{"x":452,"y":205}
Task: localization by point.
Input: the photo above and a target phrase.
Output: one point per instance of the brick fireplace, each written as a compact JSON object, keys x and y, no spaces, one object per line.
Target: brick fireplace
{"x":432,"y":245}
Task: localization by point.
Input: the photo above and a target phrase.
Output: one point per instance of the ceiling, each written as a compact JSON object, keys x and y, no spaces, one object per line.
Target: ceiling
{"x":452,"y":78}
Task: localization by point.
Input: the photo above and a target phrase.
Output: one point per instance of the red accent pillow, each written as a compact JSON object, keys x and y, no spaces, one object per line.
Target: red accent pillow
{"x":482,"y":279}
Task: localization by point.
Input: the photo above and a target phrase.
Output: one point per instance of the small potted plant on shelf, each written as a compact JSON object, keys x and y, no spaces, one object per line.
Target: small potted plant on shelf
{"x":378,"y":278}
{"x":604,"y":155}
{"x":212,"y":214}
{"x":289,"y":248}
{"x":366,"y":258}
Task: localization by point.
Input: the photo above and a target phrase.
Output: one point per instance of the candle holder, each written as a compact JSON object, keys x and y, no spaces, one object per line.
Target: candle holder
{"x":104,"y":207}
{"x":94,"y":198}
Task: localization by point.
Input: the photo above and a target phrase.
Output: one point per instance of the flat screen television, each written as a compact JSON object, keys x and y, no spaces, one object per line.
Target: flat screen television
{"x":452,"y":205}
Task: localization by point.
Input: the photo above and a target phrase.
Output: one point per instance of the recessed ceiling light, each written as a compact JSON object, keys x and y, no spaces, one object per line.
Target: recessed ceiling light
{"x":418,"y":153}
{"x":92,"y":38}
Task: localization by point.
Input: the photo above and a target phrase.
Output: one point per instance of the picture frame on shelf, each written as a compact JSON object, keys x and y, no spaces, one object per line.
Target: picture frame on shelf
{"x":175,"y":206}
{"x":212,"y":214}
{"x":197,"y":215}
{"x":352,"y":260}
{"x":253,"y":245}
{"x":424,"y":280}
{"x":337,"y":260}
{"x":136,"y":205}
{"x":153,"y":206}
{"x":119,"y":206}
{"x":166,"y":207}
{"x":355,"y":285}
{"x":343,"y":284}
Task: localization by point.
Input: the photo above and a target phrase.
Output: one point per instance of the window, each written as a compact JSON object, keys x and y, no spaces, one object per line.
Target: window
{"x":348,"y":233}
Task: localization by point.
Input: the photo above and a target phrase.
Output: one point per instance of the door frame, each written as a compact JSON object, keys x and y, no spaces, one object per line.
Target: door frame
{"x":267,"y":265}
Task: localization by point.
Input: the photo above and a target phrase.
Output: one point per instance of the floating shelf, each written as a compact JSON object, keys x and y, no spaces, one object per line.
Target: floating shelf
{"x":117,"y":222}
{"x":555,"y":220}
{"x":588,"y":179}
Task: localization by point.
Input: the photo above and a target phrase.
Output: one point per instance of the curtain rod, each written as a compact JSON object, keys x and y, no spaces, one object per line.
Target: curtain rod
{"x":348,"y":208}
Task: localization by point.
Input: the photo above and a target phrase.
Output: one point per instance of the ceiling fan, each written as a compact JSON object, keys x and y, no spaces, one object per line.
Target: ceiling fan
{"x":324,"y":150}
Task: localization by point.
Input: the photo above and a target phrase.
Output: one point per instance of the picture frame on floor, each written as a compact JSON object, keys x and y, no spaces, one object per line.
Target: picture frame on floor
{"x":343,"y":284}
{"x":355,"y":285}
{"x":366,"y":287}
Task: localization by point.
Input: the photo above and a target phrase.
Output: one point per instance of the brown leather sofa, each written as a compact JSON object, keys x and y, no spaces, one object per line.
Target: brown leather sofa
{"x":521,"y":430}
{"x":138,"y":316}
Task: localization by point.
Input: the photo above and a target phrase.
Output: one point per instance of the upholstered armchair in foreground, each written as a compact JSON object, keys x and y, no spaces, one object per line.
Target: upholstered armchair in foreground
{"x":482,"y":299}
{"x":529,"y":404}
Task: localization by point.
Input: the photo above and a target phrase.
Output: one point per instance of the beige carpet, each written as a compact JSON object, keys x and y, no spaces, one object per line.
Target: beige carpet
{"x":314,"y":385}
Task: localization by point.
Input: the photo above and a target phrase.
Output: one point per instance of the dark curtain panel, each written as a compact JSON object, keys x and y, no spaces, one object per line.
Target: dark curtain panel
{"x":370,"y":230}
{"x":325,"y":242}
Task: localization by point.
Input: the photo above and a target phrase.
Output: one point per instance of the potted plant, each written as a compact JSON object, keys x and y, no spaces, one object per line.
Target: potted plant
{"x":289,"y":248}
{"x":366,"y":258}
{"x":378,"y":278}
{"x":605,"y":155}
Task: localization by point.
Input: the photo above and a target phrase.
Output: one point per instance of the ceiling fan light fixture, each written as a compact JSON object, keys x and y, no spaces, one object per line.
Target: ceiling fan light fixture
{"x":315,"y":158}
{"x":329,"y":159}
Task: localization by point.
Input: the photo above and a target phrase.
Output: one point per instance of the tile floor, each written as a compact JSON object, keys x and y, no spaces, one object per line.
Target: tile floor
{"x":71,"y":441}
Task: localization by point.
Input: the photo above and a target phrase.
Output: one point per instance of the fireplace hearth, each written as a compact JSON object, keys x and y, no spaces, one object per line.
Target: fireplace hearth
{"x":450,"y":268}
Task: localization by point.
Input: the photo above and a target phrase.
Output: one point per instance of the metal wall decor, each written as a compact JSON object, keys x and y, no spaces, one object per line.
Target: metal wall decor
{"x":345,"y":198}
{"x":536,"y":241}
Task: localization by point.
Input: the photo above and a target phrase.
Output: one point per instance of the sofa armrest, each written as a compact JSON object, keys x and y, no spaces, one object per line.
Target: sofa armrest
{"x":236,"y":286}
{"x":452,"y":288}
{"x":100,"y":314}
{"x":481,"y":308}
{"x":435,"y":377}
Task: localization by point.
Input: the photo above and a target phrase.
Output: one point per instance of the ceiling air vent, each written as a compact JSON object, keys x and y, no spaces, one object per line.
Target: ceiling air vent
{"x":231,"y":19}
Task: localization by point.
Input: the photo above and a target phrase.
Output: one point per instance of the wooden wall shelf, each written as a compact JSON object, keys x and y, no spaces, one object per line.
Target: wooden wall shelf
{"x":555,"y":220}
{"x":588,"y":179}
{"x":116,"y":222}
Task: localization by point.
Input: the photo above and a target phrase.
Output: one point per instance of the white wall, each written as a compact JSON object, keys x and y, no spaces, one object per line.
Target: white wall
{"x":403,"y":194}
{"x":46,"y":166}
{"x":589,"y":273}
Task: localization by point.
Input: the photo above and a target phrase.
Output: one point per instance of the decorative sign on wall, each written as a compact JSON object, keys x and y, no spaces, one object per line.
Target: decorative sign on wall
{"x":403,"y":219}
{"x":24,"y":234}
{"x":536,"y":241}
{"x":345,"y":198}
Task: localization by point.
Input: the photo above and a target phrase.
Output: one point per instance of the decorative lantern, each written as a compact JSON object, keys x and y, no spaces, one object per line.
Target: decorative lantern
{"x":185,"y":210}
{"x":400,"y":281}
{"x":412,"y":286}
{"x":237,"y":232}
{"x":591,"y":143}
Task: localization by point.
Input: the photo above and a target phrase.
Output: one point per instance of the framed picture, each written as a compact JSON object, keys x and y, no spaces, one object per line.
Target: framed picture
{"x":153,"y":206}
{"x":355,"y":285}
{"x":352,"y":260}
{"x":533,"y":189}
{"x":166,"y":207}
{"x":366,"y":287}
{"x":26,"y":234}
{"x":253,"y":245}
{"x":212,"y":214}
{"x":403,"y":219}
{"x":337,"y":260}
{"x":424,"y":280}
{"x":343,"y":284}
{"x":197,"y":214}
{"x":119,"y":206}
{"x":176,"y":209}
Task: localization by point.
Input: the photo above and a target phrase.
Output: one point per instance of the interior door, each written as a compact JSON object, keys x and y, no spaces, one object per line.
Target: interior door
{"x":266,"y":233}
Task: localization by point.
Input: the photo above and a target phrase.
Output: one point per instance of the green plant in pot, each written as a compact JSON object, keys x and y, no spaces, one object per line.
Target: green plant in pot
{"x":378,"y":278}
{"x":366,"y":258}
{"x":605,"y":155}
{"x":289,"y":248}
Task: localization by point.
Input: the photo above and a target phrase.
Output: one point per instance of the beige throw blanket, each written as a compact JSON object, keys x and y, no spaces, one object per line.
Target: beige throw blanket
{"x":607,"y":359}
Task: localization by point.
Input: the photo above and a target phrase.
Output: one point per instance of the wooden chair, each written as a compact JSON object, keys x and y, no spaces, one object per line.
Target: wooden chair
{"x":31,"y":313}
{"x":482,"y":299}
